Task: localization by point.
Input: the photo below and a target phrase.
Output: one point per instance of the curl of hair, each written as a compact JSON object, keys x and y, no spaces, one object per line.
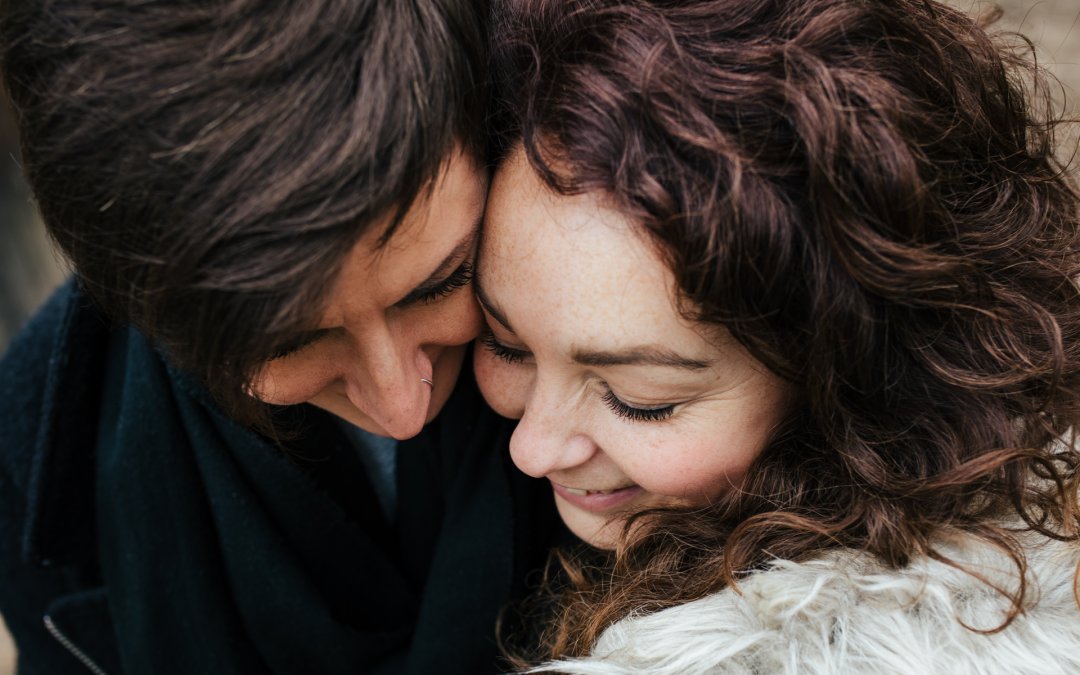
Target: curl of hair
{"x":866,"y":195}
{"x":206,"y":166}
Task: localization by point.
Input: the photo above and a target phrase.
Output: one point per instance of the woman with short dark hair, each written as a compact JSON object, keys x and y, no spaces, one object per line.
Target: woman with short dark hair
{"x":238,"y":441}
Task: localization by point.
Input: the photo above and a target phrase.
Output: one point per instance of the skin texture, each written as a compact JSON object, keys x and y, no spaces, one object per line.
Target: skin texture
{"x":575,"y":298}
{"x":396,"y":313}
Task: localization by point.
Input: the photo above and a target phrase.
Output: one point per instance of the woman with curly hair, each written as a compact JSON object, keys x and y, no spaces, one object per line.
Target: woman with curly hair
{"x":784,"y":295}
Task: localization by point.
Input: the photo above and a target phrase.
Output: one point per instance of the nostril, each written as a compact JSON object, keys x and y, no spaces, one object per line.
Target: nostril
{"x":397,"y":409}
{"x":425,"y":365}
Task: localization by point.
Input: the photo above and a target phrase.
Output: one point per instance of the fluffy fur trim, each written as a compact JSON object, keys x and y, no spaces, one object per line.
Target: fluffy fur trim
{"x":846,"y":613}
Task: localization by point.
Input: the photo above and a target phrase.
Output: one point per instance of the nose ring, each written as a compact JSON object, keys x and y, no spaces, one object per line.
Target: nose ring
{"x":427,"y":382}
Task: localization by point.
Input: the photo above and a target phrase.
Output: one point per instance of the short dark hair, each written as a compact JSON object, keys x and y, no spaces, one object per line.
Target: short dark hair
{"x":206,"y":165}
{"x":866,"y":196}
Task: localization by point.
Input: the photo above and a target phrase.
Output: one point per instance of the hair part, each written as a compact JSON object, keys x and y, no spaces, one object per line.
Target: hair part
{"x":865,"y":194}
{"x":206,"y":167}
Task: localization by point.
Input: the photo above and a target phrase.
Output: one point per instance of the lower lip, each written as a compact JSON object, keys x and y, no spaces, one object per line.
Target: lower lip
{"x":597,"y":502}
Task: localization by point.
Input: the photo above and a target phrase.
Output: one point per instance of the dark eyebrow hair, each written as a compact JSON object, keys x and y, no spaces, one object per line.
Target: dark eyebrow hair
{"x":635,"y":356}
{"x":438,"y":276}
{"x":639,"y":356}
{"x":489,"y":306}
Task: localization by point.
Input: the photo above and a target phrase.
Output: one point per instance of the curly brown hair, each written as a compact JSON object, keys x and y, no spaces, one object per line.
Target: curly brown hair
{"x":866,"y":195}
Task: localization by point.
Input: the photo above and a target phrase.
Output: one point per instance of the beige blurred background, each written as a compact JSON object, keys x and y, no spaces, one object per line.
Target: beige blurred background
{"x":29,"y":269}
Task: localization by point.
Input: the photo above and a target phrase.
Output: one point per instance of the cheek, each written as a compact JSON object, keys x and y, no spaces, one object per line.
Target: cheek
{"x":695,"y":465}
{"x":710,"y":454}
{"x":456,"y":320}
{"x":504,"y":386}
{"x":293,"y":380}
{"x":714,"y":473}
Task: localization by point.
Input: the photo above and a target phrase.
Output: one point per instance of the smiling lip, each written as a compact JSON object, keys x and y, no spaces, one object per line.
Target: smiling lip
{"x":597,"y":501}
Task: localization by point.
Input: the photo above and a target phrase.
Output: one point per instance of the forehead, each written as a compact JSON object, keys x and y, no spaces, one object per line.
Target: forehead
{"x":572,"y":256}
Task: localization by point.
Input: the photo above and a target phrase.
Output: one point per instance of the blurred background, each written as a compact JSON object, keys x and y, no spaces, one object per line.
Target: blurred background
{"x":30,"y":270}
{"x":28,"y":267}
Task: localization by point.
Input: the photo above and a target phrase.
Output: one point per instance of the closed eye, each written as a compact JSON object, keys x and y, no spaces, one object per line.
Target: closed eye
{"x":625,"y":410}
{"x":296,"y":344}
{"x":508,"y":354}
{"x":460,"y":278}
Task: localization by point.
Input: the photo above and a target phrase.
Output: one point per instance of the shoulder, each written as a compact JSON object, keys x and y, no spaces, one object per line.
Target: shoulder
{"x":26,"y":359}
{"x":24,"y":376}
{"x":845,"y":613}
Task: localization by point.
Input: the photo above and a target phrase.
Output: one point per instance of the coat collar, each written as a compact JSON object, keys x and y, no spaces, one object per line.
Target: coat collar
{"x":846,"y":613}
{"x":59,"y":525}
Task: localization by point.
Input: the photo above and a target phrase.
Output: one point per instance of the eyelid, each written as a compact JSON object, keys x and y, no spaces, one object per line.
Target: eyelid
{"x":299,"y":343}
{"x":635,"y":414}
{"x":510,"y":355}
{"x":459,"y":278}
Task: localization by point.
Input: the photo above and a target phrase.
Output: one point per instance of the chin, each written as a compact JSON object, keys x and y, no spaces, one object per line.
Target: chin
{"x":597,"y":531}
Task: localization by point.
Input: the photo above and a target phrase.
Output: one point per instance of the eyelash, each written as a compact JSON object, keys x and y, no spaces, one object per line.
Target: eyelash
{"x":461,"y":278}
{"x":507,"y":354}
{"x":636,"y":414}
{"x":290,"y":349}
{"x":617,"y":406}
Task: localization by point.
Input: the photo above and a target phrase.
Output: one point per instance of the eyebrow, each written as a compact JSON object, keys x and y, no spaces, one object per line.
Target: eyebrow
{"x":639,"y":356}
{"x":438,"y":276}
{"x":635,"y":356}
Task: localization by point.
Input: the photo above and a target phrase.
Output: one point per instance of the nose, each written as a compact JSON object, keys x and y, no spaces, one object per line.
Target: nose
{"x":549,"y":439}
{"x":384,"y":383}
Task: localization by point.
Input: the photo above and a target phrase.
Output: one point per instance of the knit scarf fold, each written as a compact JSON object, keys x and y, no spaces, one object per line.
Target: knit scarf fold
{"x":222,"y":553}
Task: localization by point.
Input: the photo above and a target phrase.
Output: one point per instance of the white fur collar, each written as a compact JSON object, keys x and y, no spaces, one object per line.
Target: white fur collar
{"x":845,"y":613}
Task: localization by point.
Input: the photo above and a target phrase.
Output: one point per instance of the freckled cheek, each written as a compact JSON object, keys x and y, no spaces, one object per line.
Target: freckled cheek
{"x":690,"y":471}
{"x":293,"y":380}
{"x":503,"y":385}
{"x":456,"y":321}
